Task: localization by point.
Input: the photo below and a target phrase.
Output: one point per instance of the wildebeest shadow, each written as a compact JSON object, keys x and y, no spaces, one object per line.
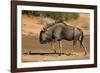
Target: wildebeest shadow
{"x":44,"y":53}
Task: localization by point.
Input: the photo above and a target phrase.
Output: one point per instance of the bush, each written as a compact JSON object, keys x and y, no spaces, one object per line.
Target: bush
{"x":58,"y":16}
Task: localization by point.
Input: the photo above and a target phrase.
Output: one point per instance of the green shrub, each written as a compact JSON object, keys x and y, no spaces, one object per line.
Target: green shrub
{"x":58,"y":16}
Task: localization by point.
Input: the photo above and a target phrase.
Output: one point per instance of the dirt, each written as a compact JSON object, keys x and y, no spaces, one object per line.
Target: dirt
{"x":33,"y":51}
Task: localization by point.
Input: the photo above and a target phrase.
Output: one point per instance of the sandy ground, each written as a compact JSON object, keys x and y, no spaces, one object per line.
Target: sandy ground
{"x":53,"y":57}
{"x":40,"y":52}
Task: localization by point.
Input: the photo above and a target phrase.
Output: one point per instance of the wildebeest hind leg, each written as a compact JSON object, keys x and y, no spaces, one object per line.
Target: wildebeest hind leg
{"x":74,"y":44}
{"x":85,"y":50}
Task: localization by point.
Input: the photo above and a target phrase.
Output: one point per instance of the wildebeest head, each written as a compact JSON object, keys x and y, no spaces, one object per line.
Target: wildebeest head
{"x":45,"y":36}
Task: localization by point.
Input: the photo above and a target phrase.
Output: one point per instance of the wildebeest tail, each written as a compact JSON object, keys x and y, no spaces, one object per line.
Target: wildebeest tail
{"x":81,"y":39}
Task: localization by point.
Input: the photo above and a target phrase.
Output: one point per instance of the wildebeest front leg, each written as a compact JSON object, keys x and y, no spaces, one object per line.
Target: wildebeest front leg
{"x":60,"y":46}
{"x":52,"y":45}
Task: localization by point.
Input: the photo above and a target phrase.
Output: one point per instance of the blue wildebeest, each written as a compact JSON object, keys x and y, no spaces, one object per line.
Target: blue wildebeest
{"x":61,"y":31}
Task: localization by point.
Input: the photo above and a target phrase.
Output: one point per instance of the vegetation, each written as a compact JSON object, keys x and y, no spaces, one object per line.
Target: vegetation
{"x":58,"y":16}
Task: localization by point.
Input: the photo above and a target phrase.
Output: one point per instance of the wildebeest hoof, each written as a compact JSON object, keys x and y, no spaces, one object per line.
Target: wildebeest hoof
{"x":54,"y":51}
{"x":29,"y":52}
{"x":68,"y":54}
{"x":85,"y":54}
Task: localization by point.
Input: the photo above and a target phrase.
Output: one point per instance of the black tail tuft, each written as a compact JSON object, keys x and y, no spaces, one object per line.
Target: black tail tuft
{"x":81,"y":39}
